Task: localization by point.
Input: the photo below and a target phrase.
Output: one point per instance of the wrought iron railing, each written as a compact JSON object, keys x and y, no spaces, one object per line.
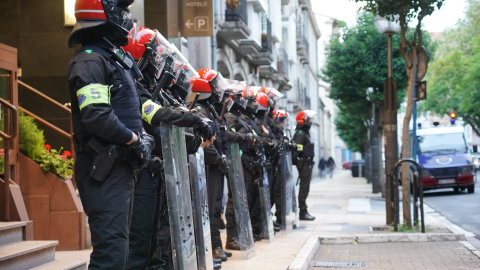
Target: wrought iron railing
{"x":236,"y":10}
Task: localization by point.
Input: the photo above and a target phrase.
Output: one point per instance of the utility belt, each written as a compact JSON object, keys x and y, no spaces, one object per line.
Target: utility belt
{"x":308,"y":161}
{"x":104,"y":155}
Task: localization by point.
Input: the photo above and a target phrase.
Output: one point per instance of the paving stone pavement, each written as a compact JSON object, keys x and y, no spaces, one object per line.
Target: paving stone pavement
{"x":397,"y":255}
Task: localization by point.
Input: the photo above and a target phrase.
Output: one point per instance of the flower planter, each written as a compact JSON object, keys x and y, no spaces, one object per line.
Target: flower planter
{"x":53,"y":206}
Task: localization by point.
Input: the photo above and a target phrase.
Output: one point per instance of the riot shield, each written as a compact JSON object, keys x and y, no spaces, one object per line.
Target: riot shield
{"x":287,"y":185}
{"x":178,"y":197}
{"x":240,"y":203}
{"x":264,"y":193}
{"x":198,"y":188}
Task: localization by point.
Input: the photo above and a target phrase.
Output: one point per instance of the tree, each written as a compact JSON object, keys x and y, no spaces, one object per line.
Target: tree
{"x":454,"y":77}
{"x":351,"y":68}
{"x":410,"y":50}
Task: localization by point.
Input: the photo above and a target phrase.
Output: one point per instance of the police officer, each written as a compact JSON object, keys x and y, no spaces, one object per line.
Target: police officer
{"x":109,"y":142}
{"x":149,"y":200}
{"x":304,"y":159}
{"x":234,"y":124}
{"x":211,"y":86}
{"x":277,"y":127}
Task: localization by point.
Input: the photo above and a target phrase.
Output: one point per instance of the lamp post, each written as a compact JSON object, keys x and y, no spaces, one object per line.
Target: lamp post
{"x":389,"y":28}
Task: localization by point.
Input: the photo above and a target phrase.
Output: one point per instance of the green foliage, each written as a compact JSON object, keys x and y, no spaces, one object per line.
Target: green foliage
{"x":354,"y":63}
{"x":32,"y":144}
{"x":56,"y":162}
{"x":31,"y":139}
{"x":454,"y":76}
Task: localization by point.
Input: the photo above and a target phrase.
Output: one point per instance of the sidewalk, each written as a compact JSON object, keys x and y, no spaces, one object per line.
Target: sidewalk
{"x":341,"y":236}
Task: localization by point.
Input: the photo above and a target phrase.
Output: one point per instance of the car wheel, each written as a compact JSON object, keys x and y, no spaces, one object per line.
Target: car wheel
{"x":471,"y":189}
{"x":456,"y":189}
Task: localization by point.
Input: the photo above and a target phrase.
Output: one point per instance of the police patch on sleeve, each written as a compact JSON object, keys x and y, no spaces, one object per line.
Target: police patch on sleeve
{"x":93,"y":94}
{"x":149,"y":108}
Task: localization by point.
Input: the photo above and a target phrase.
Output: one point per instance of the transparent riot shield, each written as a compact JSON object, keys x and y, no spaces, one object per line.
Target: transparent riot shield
{"x":178,"y":197}
{"x":264,"y":193}
{"x":240,"y":203}
{"x":198,"y":188}
{"x":287,"y":185}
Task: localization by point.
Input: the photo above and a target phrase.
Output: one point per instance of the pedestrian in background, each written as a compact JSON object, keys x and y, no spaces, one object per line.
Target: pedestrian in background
{"x":322,"y":165}
{"x":330,"y":166}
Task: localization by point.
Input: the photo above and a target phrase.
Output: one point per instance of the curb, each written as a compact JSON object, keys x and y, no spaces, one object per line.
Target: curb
{"x":313,"y":243}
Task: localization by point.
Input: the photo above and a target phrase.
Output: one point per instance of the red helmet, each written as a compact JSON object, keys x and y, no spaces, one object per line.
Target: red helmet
{"x":211,"y":82}
{"x":303,"y":115}
{"x":136,"y":46}
{"x":280,"y":114}
{"x":262,"y":100}
{"x":92,"y":13}
{"x":149,"y":47}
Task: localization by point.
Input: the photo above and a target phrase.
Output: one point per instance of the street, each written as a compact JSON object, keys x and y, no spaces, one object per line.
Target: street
{"x":460,"y":208}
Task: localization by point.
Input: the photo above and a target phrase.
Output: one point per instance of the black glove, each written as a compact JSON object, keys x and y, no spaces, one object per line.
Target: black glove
{"x":205,"y":127}
{"x":248,"y":138}
{"x":142,"y":149}
{"x":223,"y":166}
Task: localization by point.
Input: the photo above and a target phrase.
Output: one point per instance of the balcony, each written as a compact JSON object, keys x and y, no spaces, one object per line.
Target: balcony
{"x":265,"y":57}
{"x":302,"y":49}
{"x":282,"y":74}
{"x":235,"y":25}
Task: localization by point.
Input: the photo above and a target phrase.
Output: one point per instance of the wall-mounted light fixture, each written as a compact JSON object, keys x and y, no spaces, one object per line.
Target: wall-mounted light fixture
{"x":69,"y":12}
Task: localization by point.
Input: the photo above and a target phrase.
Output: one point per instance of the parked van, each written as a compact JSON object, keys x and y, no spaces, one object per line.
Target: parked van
{"x":445,"y":159}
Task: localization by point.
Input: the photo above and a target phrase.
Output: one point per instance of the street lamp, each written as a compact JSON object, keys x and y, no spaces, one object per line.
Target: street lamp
{"x":389,"y":27}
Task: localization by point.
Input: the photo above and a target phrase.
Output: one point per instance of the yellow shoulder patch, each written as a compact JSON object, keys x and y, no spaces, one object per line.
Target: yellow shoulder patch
{"x":93,"y":94}
{"x":149,"y":108}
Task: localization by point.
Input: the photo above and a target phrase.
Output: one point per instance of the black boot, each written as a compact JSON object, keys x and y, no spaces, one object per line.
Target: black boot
{"x":276,"y":226}
{"x":219,"y":254}
{"x":232,"y":244}
{"x":217,"y":261}
{"x":306,"y":216}
{"x":217,"y":266}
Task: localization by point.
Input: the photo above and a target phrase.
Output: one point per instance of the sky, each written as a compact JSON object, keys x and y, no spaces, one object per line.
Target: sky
{"x":345,"y":10}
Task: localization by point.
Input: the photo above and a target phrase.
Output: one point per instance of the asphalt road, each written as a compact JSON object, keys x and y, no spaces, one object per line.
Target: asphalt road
{"x":461,"y":208}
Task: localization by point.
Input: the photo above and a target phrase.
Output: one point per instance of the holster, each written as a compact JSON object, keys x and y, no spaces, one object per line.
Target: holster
{"x":104,"y":159}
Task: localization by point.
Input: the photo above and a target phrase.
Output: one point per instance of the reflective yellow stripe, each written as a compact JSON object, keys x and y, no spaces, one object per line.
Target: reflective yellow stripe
{"x":93,"y":94}
{"x":300,"y":147}
{"x":234,"y":130}
{"x":254,"y":133}
{"x":149,"y":108}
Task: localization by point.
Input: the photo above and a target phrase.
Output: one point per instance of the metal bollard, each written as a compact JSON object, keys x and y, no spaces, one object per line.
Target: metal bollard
{"x":417,"y":193}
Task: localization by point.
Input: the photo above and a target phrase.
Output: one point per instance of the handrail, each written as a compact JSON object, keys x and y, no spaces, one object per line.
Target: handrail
{"x":44,"y":96}
{"x":38,"y":118}
{"x":417,"y":191}
{"x":7,"y":140}
{"x":49,"y":125}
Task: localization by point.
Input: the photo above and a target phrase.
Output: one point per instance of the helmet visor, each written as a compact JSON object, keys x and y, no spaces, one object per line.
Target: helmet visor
{"x":218,"y":85}
{"x":119,"y":16}
{"x":273,"y":93}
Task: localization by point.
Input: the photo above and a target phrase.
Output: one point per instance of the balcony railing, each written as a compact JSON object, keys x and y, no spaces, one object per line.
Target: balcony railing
{"x":266,"y":35}
{"x":236,"y":10}
{"x":235,"y":24}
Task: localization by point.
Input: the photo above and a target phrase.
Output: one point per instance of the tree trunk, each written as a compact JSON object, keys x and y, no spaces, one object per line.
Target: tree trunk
{"x":406,"y":147}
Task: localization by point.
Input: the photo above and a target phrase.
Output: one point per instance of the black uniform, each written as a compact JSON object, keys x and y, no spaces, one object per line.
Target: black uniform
{"x":214,"y":164}
{"x":105,"y":107}
{"x":149,"y":231}
{"x":305,"y":150}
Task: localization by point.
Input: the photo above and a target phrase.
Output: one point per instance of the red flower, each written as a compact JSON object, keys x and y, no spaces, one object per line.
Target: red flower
{"x":67,"y":154}
{"x":2,"y":152}
{"x":47,"y":147}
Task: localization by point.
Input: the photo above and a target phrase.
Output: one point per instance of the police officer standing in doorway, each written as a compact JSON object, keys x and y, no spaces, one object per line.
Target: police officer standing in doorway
{"x":304,"y":159}
{"x":109,"y":141}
